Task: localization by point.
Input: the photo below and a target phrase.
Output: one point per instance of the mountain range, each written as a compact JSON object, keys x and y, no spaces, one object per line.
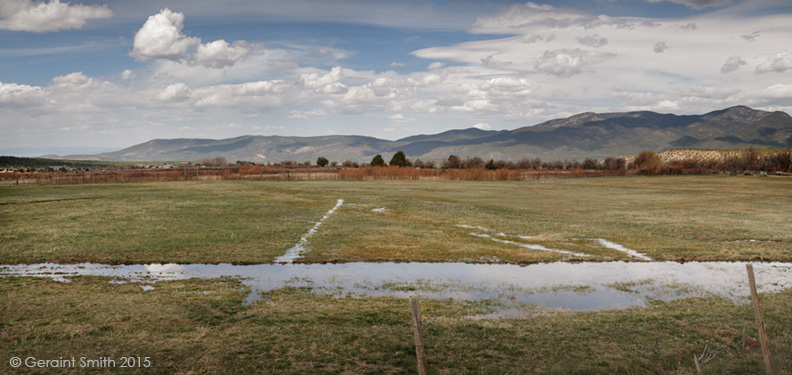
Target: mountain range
{"x":595,"y":135}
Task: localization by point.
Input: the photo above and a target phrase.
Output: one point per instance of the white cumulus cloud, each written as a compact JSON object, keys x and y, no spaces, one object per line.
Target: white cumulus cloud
{"x":483,"y":126}
{"x":219,"y":54}
{"x":327,"y":83}
{"x":176,"y":92}
{"x":436,"y":65}
{"x":499,"y":88}
{"x":732,"y":63}
{"x":161,"y":37}
{"x":778,"y":91}
{"x":127,"y":75}
{"x":13,"y":95}
{"x":778,"y":63}
{"x":26,"y":15}
{"x":568,"y":62}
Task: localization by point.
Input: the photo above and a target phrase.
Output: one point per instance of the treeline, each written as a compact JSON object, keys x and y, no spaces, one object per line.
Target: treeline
{"x":401,"y":168}
{"x":646,"y":162}
{"x":455,"y":162}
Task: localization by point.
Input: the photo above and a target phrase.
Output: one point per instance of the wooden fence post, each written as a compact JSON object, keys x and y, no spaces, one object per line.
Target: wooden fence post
{"x":759,"y":321}
{"x":418,"y":333}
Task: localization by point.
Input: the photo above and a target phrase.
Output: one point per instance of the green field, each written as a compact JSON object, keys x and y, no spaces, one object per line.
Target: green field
{"x":201,"y":326}
{"x":666,"y":218}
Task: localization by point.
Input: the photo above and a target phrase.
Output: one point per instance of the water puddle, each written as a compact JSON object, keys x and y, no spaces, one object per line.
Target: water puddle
{"x":473,"y":227}
{"x":605,"y":243}
{"x":617,"y":247}
{"x":514,"y":290}
{"x":523,"y":245}
{"x":299,"y":248}
{"x":529,"y":246}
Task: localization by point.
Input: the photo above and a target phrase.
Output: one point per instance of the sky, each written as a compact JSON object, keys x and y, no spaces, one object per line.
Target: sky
{"x":88,"y":75}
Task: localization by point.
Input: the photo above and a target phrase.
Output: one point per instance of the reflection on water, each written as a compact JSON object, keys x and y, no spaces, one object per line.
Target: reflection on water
{"x":581,"y":286}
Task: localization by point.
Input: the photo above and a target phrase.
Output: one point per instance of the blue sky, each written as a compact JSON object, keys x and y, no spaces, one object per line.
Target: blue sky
{"x":90,"y":74}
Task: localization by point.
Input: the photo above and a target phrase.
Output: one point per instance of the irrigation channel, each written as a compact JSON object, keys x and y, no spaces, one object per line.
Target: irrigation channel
{"x":513,"y":289}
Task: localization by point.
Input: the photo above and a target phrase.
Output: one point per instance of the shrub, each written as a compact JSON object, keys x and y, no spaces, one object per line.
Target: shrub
{"x":647,"y":162}
{"x":453,"y":162}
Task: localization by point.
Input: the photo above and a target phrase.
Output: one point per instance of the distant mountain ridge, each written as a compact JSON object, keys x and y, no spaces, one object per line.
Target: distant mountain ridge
{"x":596,"y":135}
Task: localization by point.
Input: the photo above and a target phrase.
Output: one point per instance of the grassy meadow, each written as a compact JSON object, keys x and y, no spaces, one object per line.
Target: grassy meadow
{"x":666,"y":218}
{"x":202,"y":326}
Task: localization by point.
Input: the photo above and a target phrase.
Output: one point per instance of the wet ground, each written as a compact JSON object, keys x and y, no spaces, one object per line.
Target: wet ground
{"x":512,"y":289}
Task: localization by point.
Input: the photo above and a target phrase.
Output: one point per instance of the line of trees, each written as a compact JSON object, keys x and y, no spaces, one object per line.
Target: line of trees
{"x":455,"y":162}
{"x":646,"y":162}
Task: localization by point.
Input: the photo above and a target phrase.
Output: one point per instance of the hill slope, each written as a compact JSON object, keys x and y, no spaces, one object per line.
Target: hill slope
{"x":577,"y":137}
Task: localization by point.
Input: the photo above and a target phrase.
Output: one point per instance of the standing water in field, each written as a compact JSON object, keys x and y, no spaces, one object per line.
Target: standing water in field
{"x":299,"y":248}
{"x":617,"y":247}
{"x":512,"y":289}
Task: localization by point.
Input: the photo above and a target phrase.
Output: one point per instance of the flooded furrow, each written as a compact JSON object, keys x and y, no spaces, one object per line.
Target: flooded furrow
{"x":513,"y":289}
{"x":299,"y":248}
{"x":614,"y":246}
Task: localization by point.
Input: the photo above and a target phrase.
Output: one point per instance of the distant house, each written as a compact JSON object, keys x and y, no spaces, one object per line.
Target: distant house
{"x":185,"y":164}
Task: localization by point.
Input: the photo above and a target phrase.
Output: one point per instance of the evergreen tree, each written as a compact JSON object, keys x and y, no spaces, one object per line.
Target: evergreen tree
{"x":322,"y":161}
{"x":378,"y":161}
{"x":400,"y":160}
{"x":491,"y":165}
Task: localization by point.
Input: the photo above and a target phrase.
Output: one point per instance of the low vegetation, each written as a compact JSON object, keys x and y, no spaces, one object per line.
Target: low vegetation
{"x":671,"y":162}
{"x":201,"y":326}
{"x":665,"y":217}
{"x":153,"y":222}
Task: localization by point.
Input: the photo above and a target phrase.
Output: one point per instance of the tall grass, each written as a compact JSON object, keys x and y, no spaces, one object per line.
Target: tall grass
{"x":257,"y":173}
{"x":469,"y":174}
{"x":266,"y":173}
